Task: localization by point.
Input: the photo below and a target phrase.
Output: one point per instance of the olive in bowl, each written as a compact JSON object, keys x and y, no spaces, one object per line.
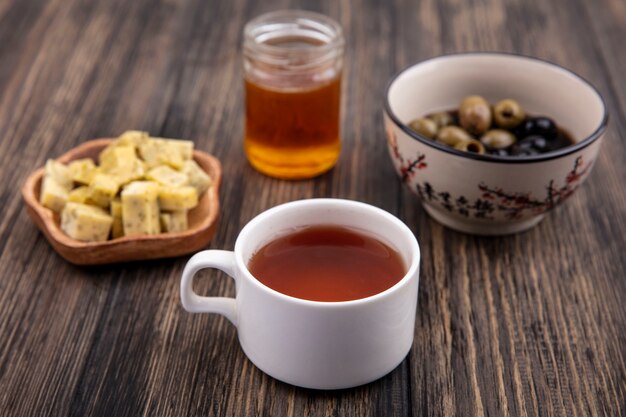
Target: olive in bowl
{"x":502,"y":130}
{"x":493,"y":193}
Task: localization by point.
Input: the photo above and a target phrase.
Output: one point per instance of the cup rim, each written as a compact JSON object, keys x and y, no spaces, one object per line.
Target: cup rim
{"x":558,"y":153}
{"x":412,"y":269}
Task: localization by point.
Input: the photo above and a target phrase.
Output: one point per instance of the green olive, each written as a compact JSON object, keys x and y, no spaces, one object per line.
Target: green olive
{"x":425,"y":127}
{"x":471,"y":145}
{"x":442,"y":118}
{"x":451,"y":135}
{"x":508,"y":114}
{"x":498,"y":139}
{"x":475,"y":115}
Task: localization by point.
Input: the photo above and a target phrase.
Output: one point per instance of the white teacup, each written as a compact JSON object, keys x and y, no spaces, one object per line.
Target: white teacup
{"x":313,"y":344}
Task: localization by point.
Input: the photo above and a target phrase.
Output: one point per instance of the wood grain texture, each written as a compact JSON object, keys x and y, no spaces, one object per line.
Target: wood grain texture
{"x":526,"y":325}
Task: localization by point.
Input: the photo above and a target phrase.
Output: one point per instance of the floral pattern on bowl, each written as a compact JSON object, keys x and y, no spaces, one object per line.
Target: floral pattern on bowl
{"x":492,"y":199}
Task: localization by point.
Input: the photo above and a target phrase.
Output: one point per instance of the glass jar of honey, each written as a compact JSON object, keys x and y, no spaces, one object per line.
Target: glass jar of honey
{"x":293,"y":62}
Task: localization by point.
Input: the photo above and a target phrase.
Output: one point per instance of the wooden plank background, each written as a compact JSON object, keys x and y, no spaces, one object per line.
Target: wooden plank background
{"x":527,"y":325}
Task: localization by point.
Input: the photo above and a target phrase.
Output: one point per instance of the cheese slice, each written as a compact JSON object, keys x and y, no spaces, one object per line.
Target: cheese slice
{"x":197,"y":177}
{"x":177,"y":198}
{"x":131,"y":138}
{"x":53,"y":195}
{"x":82,"y":170}
{"x":118,"y":157}
{"x":117,"y":228}
{"x":85,"y":223}
{"x":103,"y":188}
{"x":60,"y":173}
{"x":140,"y":208}
{"x":125,"y":174}
{"x":183,"y":147}
{"x":172,"y":152}
{"x":80,"y":195}
{"x":175,"y":221}
{"x":167,"y":176}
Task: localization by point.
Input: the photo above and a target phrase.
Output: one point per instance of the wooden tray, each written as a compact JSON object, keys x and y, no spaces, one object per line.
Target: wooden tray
{"x":202,"y":220}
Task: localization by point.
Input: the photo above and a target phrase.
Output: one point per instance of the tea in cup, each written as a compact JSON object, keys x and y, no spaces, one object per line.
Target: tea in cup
{"x":326,"y":291}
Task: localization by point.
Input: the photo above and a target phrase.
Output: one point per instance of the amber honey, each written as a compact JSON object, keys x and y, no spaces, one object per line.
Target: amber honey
{"x":292,"y":67}
{"x":292,"y":133}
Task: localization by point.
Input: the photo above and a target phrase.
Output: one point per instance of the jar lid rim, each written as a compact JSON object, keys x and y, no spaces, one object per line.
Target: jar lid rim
{"x":281,"y":23}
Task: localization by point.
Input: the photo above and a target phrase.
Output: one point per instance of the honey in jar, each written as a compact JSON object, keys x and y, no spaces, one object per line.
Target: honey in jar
{"x":292,"y":65}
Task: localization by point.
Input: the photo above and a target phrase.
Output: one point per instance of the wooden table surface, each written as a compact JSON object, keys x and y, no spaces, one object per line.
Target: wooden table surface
{"x":526,"y":325}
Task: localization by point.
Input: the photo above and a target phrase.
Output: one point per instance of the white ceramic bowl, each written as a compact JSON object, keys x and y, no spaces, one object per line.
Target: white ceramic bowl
{"x":483,"y":194}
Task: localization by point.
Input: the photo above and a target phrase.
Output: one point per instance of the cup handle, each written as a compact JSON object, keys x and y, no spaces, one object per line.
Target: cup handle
{"x":194,"y":303}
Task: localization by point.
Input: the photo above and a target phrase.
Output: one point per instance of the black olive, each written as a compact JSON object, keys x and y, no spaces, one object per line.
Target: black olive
{"x":517,"y":151}
{"x":530,"y":145}
{"x":525,"y":143}
{"x":499,"y":152}
{"x":561,"y":141}
{"x":538,"y":142}
{"x":543,"y":126}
